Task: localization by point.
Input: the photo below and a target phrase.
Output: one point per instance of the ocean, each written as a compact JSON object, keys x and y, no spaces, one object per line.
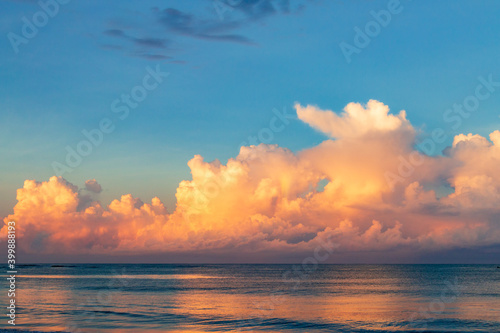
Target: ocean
{"x":259,"y":298}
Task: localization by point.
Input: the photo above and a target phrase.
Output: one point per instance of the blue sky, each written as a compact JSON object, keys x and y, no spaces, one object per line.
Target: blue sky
{"x":227,"y":74}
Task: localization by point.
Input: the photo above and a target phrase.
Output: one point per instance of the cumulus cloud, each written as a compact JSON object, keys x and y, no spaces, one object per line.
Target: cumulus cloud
{"x":93,"y":186}
{"x":356,"y":120}
{"x":268,"y":198}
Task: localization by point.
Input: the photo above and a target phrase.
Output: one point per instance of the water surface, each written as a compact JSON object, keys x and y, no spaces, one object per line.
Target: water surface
{"x":262,"y":298}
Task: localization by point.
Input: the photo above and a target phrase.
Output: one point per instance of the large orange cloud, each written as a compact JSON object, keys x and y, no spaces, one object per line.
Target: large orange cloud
{"x":269,"y":198}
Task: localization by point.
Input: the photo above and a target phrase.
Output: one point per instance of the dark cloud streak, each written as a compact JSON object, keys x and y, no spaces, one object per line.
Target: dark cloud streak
{"x":177,"y":23}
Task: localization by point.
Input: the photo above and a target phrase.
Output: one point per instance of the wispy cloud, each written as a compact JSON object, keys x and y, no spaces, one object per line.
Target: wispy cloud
{"x":147,"y":42}
{"x":188,"y":25}
{"x":166,"y":27}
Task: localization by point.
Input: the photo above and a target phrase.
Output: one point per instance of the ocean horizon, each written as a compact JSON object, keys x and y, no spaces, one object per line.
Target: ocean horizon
{"x":257,"y":297}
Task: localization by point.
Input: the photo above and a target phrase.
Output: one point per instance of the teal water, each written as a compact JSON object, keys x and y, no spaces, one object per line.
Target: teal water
{"x":260,"y":298}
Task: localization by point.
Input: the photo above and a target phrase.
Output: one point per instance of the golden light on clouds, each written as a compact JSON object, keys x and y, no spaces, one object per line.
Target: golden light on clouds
{"x":267,"y":197}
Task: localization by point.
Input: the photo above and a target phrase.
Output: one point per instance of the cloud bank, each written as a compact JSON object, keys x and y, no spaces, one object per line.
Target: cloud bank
{"x":270,"y":199}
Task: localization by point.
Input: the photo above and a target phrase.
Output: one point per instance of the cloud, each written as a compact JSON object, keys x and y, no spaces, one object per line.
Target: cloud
{"x":188,"y":25}
{"x":160,"y":43}
{"x":145,"y":47}
{"x":475,"y":178}
{"x":269,"y":198}
{"x":218,"y":22}
{"x":93,"y":186}
{"x":355,"y":121}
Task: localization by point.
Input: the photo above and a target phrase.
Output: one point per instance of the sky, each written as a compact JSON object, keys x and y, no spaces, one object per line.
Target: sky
{"x":251,"y":131}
